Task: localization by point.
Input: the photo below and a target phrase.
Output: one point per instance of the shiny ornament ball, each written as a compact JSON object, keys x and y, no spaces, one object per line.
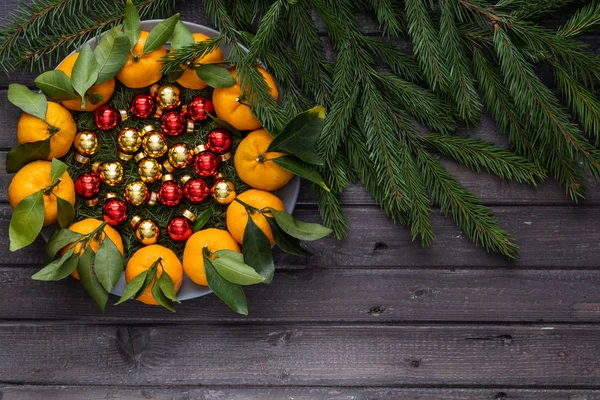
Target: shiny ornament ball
{"x":146,"y":230}
{"x":154,"y":144}
{"x":143,"y":106}
{"x":199,"y":108}
{"x":196,"y":190}
{"x":149,"y":170}
{"x":114,"y":211}
{"x":136,"y":193}
{"x":106,"y":117}
{"x":170,"y":193}
{"x":129,"y":141}
{"x":206,"y":163}
{"x":87,"y":186}
{"x":167,"y":97}
{"x":173,"y":123}
{"x":179,"y":229}
{"x":86,"y":145}
{"x":110,"y":172}
{"x":223,"y":191}
{"x":218,"y":141}
{"x":178,"y":156}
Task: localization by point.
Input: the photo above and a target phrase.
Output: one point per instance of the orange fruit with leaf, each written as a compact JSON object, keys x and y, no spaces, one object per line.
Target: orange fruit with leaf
{"x":237,"y":215}
{"x":142,"y":70}
{"x":104,"y":89}
{"x":33,"y":129}
{"x":193,"y":258}
{"x":189,"y":79}
{"x":231,"y":105}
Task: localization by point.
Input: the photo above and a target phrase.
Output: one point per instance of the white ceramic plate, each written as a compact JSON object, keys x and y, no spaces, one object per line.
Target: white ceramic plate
{"x":288,"y":194}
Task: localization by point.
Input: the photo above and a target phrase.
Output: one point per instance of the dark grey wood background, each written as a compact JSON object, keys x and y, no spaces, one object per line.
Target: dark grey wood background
{"x":375,"y":316}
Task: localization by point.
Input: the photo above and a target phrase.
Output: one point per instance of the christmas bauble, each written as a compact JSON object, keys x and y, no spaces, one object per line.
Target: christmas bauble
{"x":87,"y":186}
{"x":199,"y":108}
{"x":86,"y":145}
{"x":143,"y":106}
{"x":218,"y":141}
{"x":167,"y":97}
{"x":178,"y":156}
{"x":223,"y":191}
{"x":225,"y":157}
{"x":146,"y":230}
{"x":170,"y":193}
{"x":154,"y":144}
{"x":110,"y":172}
{"x":206,"y":163}
{"x":149,"y":169}
{"x":136,"y":193}
{"x":129,"y":141}
{"x":114,"y":211}
{"x":174,"y":123}
{"x":195,"y":189}
{"x":106,"y":117}
{"x":180,"y":228}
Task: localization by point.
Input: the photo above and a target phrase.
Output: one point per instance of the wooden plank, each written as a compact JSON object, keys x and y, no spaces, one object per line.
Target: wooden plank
{"x":278,"y":355}
{"x":337,"y":295}
{"x":27,"y":392}
{"x":550,"y":237}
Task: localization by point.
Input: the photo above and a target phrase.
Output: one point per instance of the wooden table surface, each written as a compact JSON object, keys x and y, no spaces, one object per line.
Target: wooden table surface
{"x":374,"y":316}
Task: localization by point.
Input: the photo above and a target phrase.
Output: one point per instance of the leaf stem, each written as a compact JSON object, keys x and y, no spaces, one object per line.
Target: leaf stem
{"x":48,"y":190}
{"x":247,"y":206}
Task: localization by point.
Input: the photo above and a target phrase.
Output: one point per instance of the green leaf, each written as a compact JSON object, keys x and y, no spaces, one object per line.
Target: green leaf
{"x":160,"y":297}
{"x":182,"y":36}
{"x":303,"y":170}
{"x":159,"y":35}
{"x":56,"y":85}
{"x":28,"y":101}
{"x":133,"y":24}
{"x":109,"y":264}
{"x":26,"y":221}
{"x":149,"y":278}
{"x":173,"y":75}
{"x":66,"y":212}
{"x":236,"y":272}
{"x":300,"y":136}
{"x":257,"y":251}
{"x":95,"y":98}
{"x":59,"y":268}
{"x":88,"y":279}
{"x":286,"y":242}
{"x":202,"y":219}
{"x":215,"y":76}
{"x":59,"y":239}
{"x":85,"y":72}
{"x":57,"y":169}
{"x":230,"y":293}
{"x":111,"y":54}
{"x":133,"y":287}
{"x":25,"y":153}
{"x":231,"y":254}
{"x":226,"y":125}
{"x":167,"y":286}
{"x":298,"y":229}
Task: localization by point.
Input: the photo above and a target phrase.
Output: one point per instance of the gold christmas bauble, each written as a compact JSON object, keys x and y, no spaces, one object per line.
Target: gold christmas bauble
{"x":223,"y":191}
{"x":129,"y":141}
{"x":146,"y":230}
{"x":167,"y":97}
{"x":179,"y":156}
{"x":110,"y":172}
{"x":86,"y":145}
{"x":136,"y":193}
{"x":154,"y":144}
{"x":149,"y":170}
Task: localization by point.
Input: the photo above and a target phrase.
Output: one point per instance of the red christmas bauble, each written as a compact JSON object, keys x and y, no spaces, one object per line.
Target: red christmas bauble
{"x":170,"y":194}
{"x":199,"y":108}
{"x":179,"y":229}
{"x":196,"y":190}
{"x":106,"y":117}
{"x":219,"y":141}
{"x":87,"y":186}
{"x":143,"y":106}
{"x":206,"y":164}
{"x":173,"y":123}
{"x":114,"y":211}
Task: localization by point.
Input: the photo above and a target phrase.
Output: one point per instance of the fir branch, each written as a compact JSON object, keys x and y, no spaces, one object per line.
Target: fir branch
{"x":584,"y":19}
{"x":389,"y":16}
{"x":400,"y":63}
{"x":534,"y":8}
{"x":189,"y":54}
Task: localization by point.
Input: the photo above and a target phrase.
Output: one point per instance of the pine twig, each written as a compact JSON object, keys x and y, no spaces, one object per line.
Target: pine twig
{"x":584,"y":19}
